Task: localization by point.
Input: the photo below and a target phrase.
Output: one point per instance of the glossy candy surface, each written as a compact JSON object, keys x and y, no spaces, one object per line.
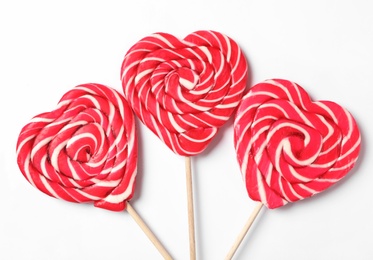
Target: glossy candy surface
{"x":184,"y":90}
{"x":83,"y":151}
{"x":290,"y":147}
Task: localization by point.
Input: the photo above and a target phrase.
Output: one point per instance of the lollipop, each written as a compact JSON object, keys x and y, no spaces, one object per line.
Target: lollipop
{"x":289,"y":147}
{"x":84,"y":151}
{"x":184,"y":90}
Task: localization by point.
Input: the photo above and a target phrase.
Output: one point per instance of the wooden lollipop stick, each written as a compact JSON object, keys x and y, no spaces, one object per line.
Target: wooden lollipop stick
{"x":189,"y":183}
{"x":148,"y":232}
{"x":243,"y":232}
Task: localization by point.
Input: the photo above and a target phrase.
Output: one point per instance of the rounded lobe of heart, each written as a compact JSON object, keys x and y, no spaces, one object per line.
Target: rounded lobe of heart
{"x":184,"y":90}
{"x":289,"y":147}
{"x":83,"y":151}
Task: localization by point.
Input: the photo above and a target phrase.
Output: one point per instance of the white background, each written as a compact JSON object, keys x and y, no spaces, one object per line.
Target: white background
{"x":46,"y":48}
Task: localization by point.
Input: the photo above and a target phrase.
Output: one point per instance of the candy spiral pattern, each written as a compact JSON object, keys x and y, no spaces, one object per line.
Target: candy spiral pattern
{"x":83,"y":151}
{"x":184,"y":90}
{"x":289,"y":147}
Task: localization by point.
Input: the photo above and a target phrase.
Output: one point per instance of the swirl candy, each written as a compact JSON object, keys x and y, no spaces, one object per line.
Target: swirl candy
{"x":184,"y":90}
{"x":289,"y":147}
{"x":83,"y":151}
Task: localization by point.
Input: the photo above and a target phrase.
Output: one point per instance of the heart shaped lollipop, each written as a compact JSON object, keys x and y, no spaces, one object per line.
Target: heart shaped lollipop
{"x":83,"y":151}
{"x":184,"y":90}
{"x":290,"y":148}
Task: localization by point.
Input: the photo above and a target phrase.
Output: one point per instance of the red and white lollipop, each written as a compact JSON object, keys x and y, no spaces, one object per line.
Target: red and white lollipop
{"x":289,"y":147}
{"x":84,"y":151}
{"x":184,"y":90}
